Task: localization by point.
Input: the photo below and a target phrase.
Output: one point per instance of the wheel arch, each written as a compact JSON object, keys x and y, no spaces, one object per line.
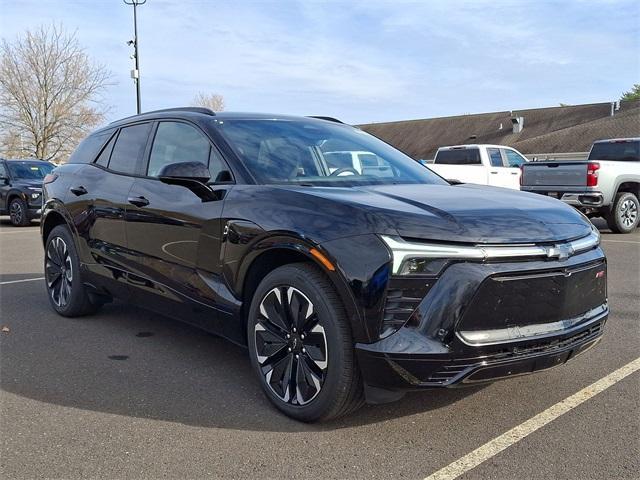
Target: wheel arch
{"x":274,"y":252}
{"x":630,"y":186}
{"x":51,"y":218}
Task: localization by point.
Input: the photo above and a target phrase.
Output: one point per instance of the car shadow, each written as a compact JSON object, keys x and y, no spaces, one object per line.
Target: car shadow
{"x":132,"y":362}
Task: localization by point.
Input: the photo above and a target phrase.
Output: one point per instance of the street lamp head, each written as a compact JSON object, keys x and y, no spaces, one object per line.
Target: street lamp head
{"x":135,"y":2}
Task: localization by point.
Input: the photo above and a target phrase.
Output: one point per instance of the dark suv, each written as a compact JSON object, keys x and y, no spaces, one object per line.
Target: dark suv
{"x":21,"y":189}
{"x":345,"y":284}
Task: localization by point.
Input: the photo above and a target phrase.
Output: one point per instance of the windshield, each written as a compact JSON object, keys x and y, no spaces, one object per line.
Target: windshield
{"x":617,"y":150}
{"x":29,"y":170}
{"x":319,"y":153}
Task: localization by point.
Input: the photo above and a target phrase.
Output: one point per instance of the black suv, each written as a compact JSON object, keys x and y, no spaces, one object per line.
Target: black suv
{"x":21,"y":189}
{"x":349,"y":277}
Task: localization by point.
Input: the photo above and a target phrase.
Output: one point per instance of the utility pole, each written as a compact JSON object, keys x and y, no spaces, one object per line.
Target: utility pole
{"x":135,"y":73}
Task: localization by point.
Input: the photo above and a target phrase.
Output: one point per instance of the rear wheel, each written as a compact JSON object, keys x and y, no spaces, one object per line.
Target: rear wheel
{"x":625,"y":213}
{"x":18,"y":212}
{"x":301,"y":347}
{"x":67,"y":294}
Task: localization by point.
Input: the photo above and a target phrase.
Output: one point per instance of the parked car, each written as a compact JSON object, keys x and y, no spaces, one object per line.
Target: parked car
{"x":21,"y":189}
{"x":494,"y":165}
{"x":344,"y":288}
{"x":606,"y":185}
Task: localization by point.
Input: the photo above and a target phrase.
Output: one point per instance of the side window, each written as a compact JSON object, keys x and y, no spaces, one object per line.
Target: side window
{"x":458,"y":156}
{"x":3,"y":171}
{"x":103,"y":158}
{"x":179,"y":142}
{"x":372,"y":164}
{"x":129,"y":149}
{"x":89,"y":148}
{"x":495,"y":157}
{"x":514,"y":159}
{"x":336,"y":160}
{"x":218,"y":168}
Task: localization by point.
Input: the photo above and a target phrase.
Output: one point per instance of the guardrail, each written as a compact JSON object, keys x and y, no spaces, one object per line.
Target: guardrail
{"x":564,"y":156}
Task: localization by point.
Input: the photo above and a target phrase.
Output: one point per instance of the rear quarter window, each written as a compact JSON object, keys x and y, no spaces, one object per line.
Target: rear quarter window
{"x":463,"y":156}
{"x":622,"y":151}
{"x":89,"y":147}
{"x":128,"y":151}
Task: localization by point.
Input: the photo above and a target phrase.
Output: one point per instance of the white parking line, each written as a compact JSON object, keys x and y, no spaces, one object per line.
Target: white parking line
{"x":504,"y":441}
{"x":23,"y":280}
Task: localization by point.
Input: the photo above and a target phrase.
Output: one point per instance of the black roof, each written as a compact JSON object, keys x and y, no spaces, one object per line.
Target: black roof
{"x":200,"y":112}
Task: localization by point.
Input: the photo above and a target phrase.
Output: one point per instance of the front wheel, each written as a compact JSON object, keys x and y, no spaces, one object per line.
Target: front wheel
{"x":18,"y":213}
{"x":625,"y":213}
{"x":301,"y":347}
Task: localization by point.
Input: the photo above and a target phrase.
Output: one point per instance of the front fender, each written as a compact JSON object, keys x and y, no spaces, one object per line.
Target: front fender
{"x":246,"y":245}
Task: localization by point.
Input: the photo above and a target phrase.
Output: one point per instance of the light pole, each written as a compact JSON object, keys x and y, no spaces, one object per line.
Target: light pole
{"x":135,"y":73}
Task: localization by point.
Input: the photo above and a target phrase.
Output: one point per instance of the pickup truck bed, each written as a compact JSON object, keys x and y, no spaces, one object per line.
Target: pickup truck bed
{"x":606,"y":185}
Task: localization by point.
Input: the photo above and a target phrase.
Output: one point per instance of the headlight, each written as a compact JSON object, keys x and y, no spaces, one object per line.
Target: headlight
{"x":411,"y":258}
{"x":35,"y":195}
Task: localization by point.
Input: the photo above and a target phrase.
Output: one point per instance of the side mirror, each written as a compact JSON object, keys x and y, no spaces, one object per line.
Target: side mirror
{"x":174,"y":173}
{"x":192,"y":175}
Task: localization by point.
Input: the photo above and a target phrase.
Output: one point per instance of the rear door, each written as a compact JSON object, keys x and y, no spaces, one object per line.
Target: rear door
{"x":168,"y":224}
{"x":460,"y":163}
{"x":97,"y":199}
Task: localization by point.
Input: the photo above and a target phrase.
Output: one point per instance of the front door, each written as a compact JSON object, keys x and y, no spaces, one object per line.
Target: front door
{"x":167,"y":224}
{"x":499,"y":175}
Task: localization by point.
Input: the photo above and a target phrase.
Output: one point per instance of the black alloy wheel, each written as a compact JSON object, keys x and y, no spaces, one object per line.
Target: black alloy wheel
{"x":291,"y":345}
{"x":66,"y":291}
{"x":59,"y":271}
{"x":301,"y":346}
{"x":18,"y":213}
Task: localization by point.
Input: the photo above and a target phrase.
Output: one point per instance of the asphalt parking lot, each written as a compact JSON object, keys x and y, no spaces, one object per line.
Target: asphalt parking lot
{"x":129,"y":394}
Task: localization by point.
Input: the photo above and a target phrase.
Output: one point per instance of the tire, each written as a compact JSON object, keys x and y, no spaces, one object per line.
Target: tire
{"x":327,"y":382}
{"x":625,"y":213}
{"x":19,"y":212}
{"x":67,"y":294}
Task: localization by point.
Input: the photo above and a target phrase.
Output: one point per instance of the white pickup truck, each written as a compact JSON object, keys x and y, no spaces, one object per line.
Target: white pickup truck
{"x":495,"y":165}
{"x":606,"y":185}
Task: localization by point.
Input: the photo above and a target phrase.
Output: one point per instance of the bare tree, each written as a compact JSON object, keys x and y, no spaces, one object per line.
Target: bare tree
{"x":50,"y":93}
{"x":210,"y":100}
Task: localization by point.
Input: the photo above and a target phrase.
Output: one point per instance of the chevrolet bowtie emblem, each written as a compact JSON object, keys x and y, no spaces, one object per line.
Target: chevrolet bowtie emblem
{"x":561,"y":252}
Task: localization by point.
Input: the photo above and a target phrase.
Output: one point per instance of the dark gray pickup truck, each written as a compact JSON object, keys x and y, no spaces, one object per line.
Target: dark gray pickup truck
{"x":606,"y":185}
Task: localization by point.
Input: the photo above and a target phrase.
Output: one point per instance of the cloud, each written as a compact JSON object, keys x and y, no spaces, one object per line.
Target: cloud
{"x":358,"y":60}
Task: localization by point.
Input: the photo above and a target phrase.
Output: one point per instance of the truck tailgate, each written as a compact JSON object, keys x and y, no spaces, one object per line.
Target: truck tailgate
{"x":566,"y":174}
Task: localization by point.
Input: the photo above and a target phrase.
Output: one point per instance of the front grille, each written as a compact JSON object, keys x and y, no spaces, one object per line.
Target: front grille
{"x":515,"y":300}
{"x":451,"y":372}
{"x":403,"y":297}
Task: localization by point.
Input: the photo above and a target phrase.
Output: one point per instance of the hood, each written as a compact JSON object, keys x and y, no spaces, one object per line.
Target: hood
{"x":23,"y":182}
{"x":463,"y":213}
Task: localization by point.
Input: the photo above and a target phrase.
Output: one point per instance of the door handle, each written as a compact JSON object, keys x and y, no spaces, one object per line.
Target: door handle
{"x":79,"y":190}
{"x":493,"y":172}
{"x":138,"y":201}
{"x":514,"y":173}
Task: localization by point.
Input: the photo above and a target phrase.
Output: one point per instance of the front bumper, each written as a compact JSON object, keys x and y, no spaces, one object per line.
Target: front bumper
{"x":432,"y":364}
{"x":542,"y":313}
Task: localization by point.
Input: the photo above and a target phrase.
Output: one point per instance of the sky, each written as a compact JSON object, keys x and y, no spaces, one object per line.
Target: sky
{"x":359,"y":61}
